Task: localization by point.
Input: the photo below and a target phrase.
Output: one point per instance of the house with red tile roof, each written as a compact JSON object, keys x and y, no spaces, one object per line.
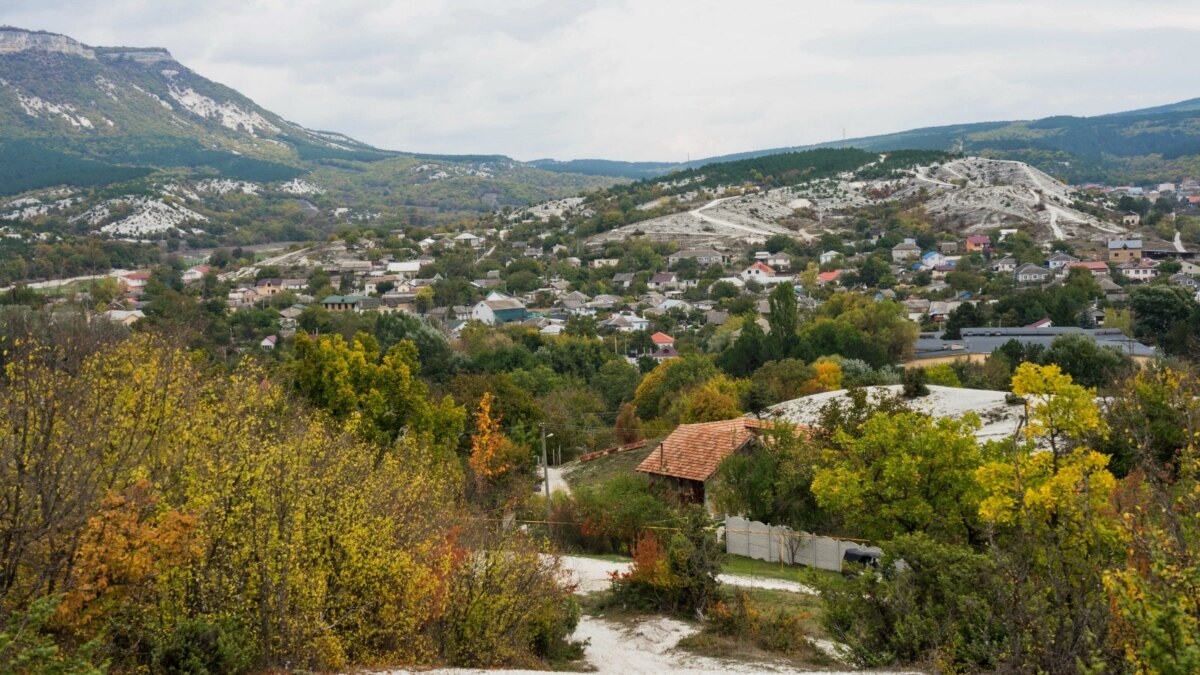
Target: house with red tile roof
{"x":829,"y":277}
{"x":757,"y":271}
{"x":1097,"y":268}
{"x":661,"y":339}
{"x":688,"y":458}
{"x":979,"y":243}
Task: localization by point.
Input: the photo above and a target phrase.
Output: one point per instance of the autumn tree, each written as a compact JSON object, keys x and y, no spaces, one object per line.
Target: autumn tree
{"x":903,"y":474}
{"x":1052,"y":536}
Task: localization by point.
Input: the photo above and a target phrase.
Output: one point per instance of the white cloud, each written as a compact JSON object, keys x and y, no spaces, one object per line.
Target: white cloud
{"x":654,"y":80}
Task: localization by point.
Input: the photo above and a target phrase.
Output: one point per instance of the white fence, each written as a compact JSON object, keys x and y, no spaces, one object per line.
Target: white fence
{"x":753,"y":539}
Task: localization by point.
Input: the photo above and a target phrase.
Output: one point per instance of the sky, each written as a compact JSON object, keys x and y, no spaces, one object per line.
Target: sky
{"x":654,"y":80}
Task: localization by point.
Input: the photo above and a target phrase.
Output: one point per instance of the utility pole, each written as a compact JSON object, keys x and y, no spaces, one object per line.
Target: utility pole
{"x":545,"y":474}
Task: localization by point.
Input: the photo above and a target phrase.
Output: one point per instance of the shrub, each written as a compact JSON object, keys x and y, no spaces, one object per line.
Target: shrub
{"x":941,"y":604}
{"x":202,"y":646}
{"x":679,"y":577}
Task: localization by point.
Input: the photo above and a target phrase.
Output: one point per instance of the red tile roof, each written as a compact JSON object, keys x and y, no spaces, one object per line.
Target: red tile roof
{"x":661,"y":338}
{"x":826,"y":277}
{"x":694,"y":451}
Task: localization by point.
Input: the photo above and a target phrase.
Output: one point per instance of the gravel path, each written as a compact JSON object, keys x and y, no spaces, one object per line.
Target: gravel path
{"x":648,"y":646}
{"x":592,"y":574}
{"x":699,"y":213}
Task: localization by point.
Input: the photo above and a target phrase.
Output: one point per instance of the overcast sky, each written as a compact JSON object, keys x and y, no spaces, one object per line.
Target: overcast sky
{"x":654,"y":79}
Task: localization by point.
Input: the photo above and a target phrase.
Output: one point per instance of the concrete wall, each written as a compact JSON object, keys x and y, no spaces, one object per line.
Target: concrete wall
{"x":753,"y":539}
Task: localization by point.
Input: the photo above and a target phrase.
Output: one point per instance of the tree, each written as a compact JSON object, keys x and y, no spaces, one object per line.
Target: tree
{"x":628,"y":428}
{"x":669,"y":380}
{"x":784,"y":320}
{"x":492,"y":457}
{"x":616,"y":381}
{"x":904,"y":474}
{"x":1158,"y":311}
{"x":747,"y":352}
{"x":1051,"y":537}
{"x":965,"y":315}
{"x":1087,"y":363}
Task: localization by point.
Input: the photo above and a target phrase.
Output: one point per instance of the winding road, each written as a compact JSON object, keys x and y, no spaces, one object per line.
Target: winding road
{"x":699,"y":213}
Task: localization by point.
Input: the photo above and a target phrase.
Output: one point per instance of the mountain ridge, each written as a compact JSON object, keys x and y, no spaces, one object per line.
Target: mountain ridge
{"x":1026,"y":140}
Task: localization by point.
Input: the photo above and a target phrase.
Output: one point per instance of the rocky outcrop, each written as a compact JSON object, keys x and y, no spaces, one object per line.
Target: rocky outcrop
{"x":13,"y":40}
{"x":142,"y":56}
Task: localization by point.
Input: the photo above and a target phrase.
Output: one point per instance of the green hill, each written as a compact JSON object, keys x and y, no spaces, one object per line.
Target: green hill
{"x":1138,"y":146}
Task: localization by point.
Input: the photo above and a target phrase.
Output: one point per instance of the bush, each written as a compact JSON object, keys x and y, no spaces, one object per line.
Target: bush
{"x":940,"y":605}
{"x":738,"y":619}
{"x":914,"y":383}
{"x":612,"y":514}
{"x":202,"y":646}
{"x":679,"y":577}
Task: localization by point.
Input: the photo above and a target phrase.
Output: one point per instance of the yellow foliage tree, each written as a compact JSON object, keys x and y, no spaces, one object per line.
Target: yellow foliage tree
{"x":828,"y":378}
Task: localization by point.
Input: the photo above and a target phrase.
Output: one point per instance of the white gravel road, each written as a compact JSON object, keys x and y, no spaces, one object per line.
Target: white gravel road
{"x":648,"y":646}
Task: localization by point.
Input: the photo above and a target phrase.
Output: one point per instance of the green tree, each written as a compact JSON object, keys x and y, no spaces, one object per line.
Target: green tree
{"x":904,"y":474}
{"x":784,"y":321}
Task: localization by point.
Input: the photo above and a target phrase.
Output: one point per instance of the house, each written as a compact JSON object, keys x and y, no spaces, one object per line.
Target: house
{"x":916,"y":308}
{"x":1098,"y":269}
{"x":663,"y":353}
{"x":124,"y":317}
{"x":1181,"y":279}
{"x":948,"y":247}
{"x":776,"y":260}
{"x":341,"y":303}
{"x":662,"y":281}
{"x":469,"y":239}
{"x":1130,"y":219}
{"x":1005,"y":265}
{"x":1189,"y":267}
{"x":295,"y":284}
{"x":499,"y":310}
{"x":939,"y":310}
{"x":268,"y":286}
{"x":355,"y":267}
{"x":623,"y":279}
{"x":688,"y":459}
{"x":757,"y":271}
{"x":1043,"y":322}
{"x":1139,"y":270}
{"x":603,"y":262}
{"x":408,"y":269}
{"x":1113,"y":292}
{"x":661,"y":340}
{"x":979,"y":243}
{"x":268,"y":342}
{"x":1123,"y":250}
{"x":703,"y":257}
{"x":830,"y":277}
{"x":135,"y":280}
{"x":905,"y":251}
{"x":1060,"y":260}
{"x":1032,"y":274}
{"x":932,"y":259}
{"x":716,"y":317}
{"x":194,"y":274}
{"x":828,"y":257}
{"x":372,"y":285}
{"x":625,"y":323}
{"x":941,"y":271}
